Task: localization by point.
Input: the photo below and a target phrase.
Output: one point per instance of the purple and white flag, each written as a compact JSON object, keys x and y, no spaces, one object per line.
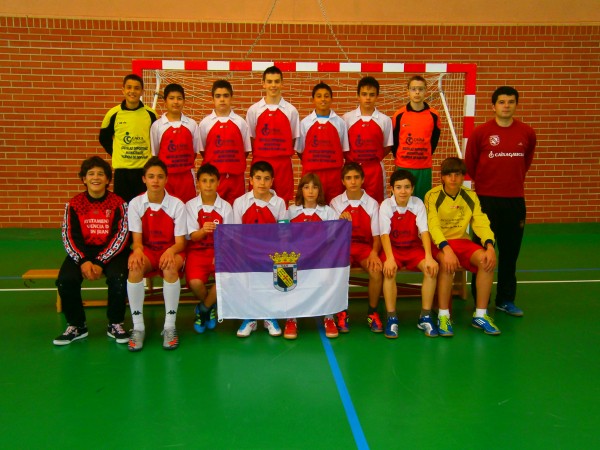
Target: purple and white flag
{"x":282,"y":270}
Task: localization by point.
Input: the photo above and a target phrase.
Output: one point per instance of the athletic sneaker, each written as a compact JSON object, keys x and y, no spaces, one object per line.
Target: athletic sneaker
{"x":136,"y":340}
{"x":486,"y":323}
{"x":118,"y":333}
{"x":343,"y":322}
{"x":170,"y":339}
{"x":247,"y":327}
{"x":445,"y":326}
{"x":510,"y":308}
{"x":200,"y":321}
{"x":211,"y":323}
{"x":426,"y":324}
{"x":291,"y":329}
{"x":375,"y":322}
{"x":72,"y":333}
{"x":331,"y":330}
{"x":391,"y":328}
{"x":273,"y":327}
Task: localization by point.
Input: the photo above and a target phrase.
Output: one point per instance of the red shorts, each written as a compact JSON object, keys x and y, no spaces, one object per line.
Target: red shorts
{"x":182,"y":185}
{"x":154,"y":257}
{"x":231,"y":187}
{"x":283,"y":179}
{"x":408,"y":258}
{"x":331,"y":179}
{"x":358,"y":253}
{"x":374,"y":183}
{"x":199,"y":265}
{"x":463,"y":249}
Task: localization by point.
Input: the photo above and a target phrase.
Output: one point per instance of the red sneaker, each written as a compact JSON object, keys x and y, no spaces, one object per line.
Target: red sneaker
{"x":331,"y":330}
{"x":343,"y":322}
{"x":375,"y":323}
{"x":291,"y":329}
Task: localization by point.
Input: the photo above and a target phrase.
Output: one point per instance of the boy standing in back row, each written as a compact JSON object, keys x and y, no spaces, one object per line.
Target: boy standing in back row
{"x":225,"y":139}
{"x":417,"y":129}
{"x":125,"y":135}
{"x":274,"y":127}
{"x":370,"y":137}
{"x":174,"y":138}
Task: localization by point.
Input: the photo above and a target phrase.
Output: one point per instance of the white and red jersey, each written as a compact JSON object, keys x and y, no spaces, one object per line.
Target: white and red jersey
{"x":273,"y":128}
{"x":368,"y":136}
{"x":404,"y":225}
{"x":225,"y":142}
{"x":497,"y":158}
{"x":248,"y":210}
{"x":320,"y":213}
{"x":322,"y":142}
{"x":175,"y":143}
{"x":198,"y":214}
{"x":365,"y":216}
{"x":158,"y":223}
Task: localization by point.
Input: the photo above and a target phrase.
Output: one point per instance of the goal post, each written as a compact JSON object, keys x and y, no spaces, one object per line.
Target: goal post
{"x":450,"y":86}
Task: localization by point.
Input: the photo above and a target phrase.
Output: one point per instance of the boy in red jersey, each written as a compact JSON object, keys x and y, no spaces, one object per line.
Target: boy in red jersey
{"x":451,"y":210}
{"x":157,"y":222}
{"x":406,"y":243}
{"x":204,"y":213}
{"x":499,"y":154}
{"x":175,"y":141}
{"x":417,"y":129}
{"x":323,"y":141}
{"x":362,"y":210}
{"x":95,"y":235}
{"x":260,"y":205}
{"x":225,"y":139}
{"x":274,"y":127}
{"x":370,"y":137}
{"x":125,"y":135}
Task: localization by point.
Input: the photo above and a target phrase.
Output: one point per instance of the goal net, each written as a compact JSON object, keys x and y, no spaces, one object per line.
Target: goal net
{"x":451,"y":90}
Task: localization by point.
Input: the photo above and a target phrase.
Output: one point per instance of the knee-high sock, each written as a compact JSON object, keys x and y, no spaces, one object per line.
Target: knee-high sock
{"x":135,"y":293}
{"x":171,"y":294}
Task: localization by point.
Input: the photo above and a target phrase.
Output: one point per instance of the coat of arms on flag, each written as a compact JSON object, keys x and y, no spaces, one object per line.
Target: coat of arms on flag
{"x":285,"y":270}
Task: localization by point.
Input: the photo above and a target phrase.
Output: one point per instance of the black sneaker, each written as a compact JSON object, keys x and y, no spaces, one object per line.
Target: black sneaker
{"x":118,"y":333}
{"x":72,"y":333}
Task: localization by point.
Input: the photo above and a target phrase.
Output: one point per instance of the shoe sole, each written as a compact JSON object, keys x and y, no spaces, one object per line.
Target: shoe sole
{"x":376,"y":331}
{"x":118,"y":340}
{"x":133,"y":349}
{"x":290,"y":337}
{"x":61,"y":343}
{"x":491,"y":333}
{"x":509,"y":313}
{"x":391,"y":336}
{"x":426,"y":333}
{"x":446,"y":334}
{"x":171,"y":348}
{"x":331,"y":336}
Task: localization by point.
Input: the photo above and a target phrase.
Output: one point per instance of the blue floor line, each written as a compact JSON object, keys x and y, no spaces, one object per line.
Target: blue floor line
{"x":359,"y":437}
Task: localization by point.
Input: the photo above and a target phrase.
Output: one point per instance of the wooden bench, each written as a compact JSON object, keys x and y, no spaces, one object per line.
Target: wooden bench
{"x":153,"y":294}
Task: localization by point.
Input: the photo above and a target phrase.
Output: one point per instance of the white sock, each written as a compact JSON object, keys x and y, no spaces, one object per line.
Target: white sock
{"x":480,"y":312}
{"x":444,"y":312}
{"x":135,"y":293}
{"x":171,"y":293}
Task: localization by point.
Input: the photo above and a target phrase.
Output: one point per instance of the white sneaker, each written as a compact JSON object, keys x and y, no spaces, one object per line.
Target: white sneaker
{"x":247,"y":327}
{"x":273,"y":327}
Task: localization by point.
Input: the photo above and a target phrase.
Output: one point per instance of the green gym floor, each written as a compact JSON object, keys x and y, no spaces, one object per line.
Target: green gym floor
{"x":533,"y":387}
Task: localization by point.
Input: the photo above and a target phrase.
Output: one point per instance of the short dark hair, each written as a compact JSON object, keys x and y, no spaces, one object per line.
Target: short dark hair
{"x":273,"y":70}
{"x":261,"y":166}
{"x":221,"y":84}
{"x":314,"y":179}
{"x":208,"y":169}
{"x":95,"y":161}
{"x":367,"y":81}
{"x":352,"y":166}
{"x":402,"y":174}
{"x":173,"y":87}
{"x":321,"y":85}
{"x":155,"y":161}
{"x":452,"y":165}
{"x":504,"y":90}
{"x":416,"y":78}
{"x":133,"y":76}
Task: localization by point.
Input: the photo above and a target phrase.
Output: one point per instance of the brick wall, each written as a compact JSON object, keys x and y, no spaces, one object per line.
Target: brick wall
{"x":58,"y":77}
